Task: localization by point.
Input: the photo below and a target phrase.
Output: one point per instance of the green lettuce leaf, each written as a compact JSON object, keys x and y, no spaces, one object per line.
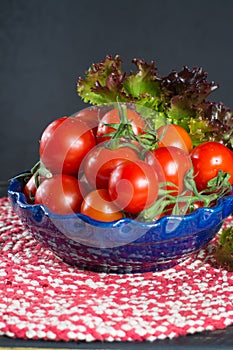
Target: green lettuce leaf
{"x":179,"y":97}
{"x":103,"y":82}
{"x":224,"y":249}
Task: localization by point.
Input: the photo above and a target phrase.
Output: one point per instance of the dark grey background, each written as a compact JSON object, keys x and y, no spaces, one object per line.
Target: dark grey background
{"x":46,"y":44}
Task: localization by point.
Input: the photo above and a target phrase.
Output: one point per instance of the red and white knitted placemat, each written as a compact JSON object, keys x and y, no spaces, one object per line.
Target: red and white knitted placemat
{"x":43,"y":298}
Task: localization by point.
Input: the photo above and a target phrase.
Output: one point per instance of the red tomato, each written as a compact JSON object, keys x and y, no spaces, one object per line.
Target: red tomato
{"x":171,"y":164}
{"x":30,"y":189}
{"x":101,"y":161}
{"x":91,"y":116}
{"x":98,"y":205}
{"x":208,"y":158}
{"x":112,"y":117}
{"x":61,"y":194}
{"x":174,"y":135}
{"x":133,"y":186}
{"x":64,"y":143}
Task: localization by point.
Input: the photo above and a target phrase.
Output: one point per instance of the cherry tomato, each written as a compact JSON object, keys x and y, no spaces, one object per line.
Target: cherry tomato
{"x":30,"y":189}
{"x":99,"y":206}
{"x":171,"y":164}
{"x":208,"y":158}
{"x":91,"y":116}
{"x":61,"y":194}
{"x":64,"y":143}
{"x":112,"y":117}
{"x":133,"y":186}
{"x":174,"y":135}
{"x":101,"y":161}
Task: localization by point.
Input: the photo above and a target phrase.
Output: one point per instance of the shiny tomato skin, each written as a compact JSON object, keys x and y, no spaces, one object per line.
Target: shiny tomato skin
{"x":64,"y":143}
{"x":133,"y":186}
{"x":30,"y":189}
{"x":112,"y":117}
{"x":98,"y":205}
{"x":101,"y":161}
{"x":171,"y":164}
{"x":208,"y":158}
{"x":50,"y":129}
{"x":91,"y":116}
{"x":174,"y":135}
{"x":61,"y":193}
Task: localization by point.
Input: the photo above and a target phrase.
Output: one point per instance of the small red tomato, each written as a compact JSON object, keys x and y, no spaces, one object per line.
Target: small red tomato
{"x":30,"y":189}
{"x":91,"y":116}
{"x":133,"y":186}
{"x":99,"y":206}
{"x":101,"y":161}
{"x":64,"y":143}
{"x":208,"y":159}
{"x":174,"y":135}
{"x":61,"y":194}
{"x":171,"y":164}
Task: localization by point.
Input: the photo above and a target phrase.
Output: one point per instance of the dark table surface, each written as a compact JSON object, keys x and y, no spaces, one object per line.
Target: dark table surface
{"x":222,"y":338}
{"x":206,"y":340}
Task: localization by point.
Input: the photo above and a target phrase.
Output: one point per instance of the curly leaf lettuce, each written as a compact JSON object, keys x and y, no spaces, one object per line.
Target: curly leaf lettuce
{"x":180,"y":97}
{"x":224,"y":249}
{"x":103,"y":82}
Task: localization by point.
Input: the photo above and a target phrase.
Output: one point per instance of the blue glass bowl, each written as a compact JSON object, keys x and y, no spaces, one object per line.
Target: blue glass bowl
{"x":123,"y":246}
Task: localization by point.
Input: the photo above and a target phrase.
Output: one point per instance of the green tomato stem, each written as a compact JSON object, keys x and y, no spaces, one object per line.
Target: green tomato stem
{"x":218,"y":187}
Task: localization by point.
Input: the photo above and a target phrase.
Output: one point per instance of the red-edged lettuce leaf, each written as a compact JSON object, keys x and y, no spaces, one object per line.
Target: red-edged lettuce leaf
{"x":143,"y":81}
{"x":224,"y":249}
{"x":103,"y":82}
{"x":181,"y":97}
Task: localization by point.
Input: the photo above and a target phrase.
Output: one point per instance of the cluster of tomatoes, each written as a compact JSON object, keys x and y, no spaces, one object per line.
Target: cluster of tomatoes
{"x":95,"y":164}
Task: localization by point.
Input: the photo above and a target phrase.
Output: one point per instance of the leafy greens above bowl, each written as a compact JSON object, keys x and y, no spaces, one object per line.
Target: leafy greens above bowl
{"x":180,"y":97}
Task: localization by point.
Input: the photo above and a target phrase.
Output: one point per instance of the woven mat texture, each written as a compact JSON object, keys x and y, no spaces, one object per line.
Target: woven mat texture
{"x":41,"y":297}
